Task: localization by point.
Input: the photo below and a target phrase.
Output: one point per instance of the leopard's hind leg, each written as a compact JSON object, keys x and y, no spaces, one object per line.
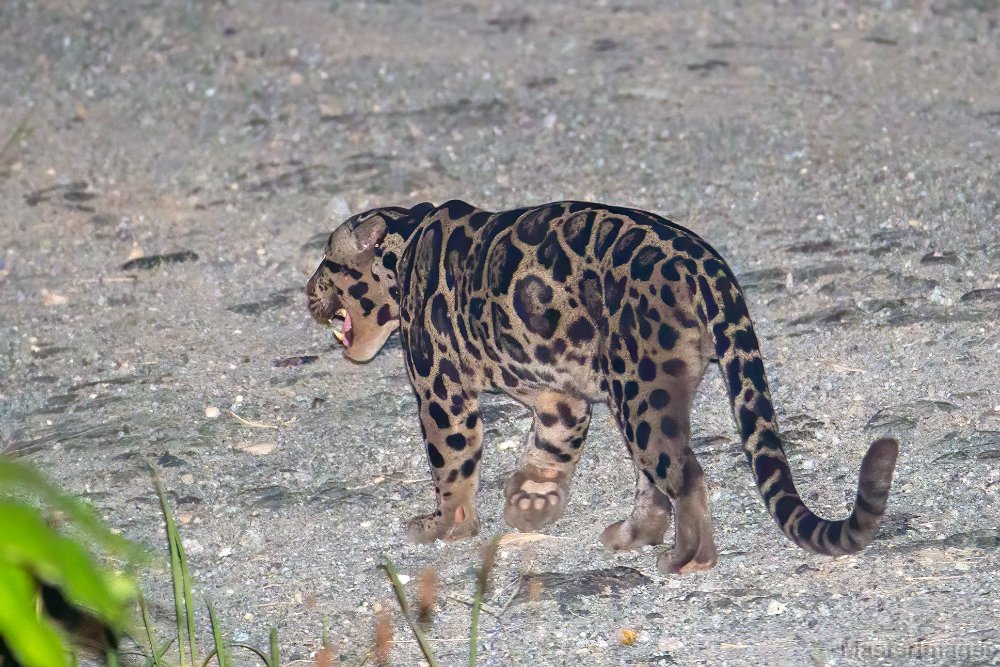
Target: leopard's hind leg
{"x":537,"y":492}
{"x":652,"y":403}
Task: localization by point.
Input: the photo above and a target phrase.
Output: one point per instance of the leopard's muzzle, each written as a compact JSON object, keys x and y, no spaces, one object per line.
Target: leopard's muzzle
{"x":325,"y":306}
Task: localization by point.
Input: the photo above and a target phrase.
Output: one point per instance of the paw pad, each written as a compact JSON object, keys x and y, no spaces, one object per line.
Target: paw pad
{"x":534,"y":499}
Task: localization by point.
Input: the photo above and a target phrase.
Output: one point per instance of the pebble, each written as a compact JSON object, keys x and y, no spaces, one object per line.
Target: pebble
{"x":775,"y":608}
{"x":212,"y":412}
{"x":257,"y":448}
{"x":192,"y":547}
{"x":54,"y":298}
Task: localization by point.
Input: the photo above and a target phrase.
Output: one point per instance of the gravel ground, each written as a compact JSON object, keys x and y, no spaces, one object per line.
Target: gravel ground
{"x":843,"y":156}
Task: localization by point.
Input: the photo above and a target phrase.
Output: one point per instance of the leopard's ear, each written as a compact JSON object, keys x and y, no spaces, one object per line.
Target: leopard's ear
{"x":356,"y":235}
{"x":370,"y":230}
{"x":418,"y":212}
{"x":368,"y":233}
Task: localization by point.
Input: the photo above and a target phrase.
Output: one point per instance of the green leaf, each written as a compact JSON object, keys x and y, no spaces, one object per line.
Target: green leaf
{"x":29,"y":544}
{"x":32,"y":640}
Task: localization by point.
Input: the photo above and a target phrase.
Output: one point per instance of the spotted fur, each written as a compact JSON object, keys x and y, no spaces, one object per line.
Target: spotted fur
{"x":558,"y":306}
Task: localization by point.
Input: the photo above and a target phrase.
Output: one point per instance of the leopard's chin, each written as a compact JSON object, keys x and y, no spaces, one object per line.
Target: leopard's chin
{"x":365,"y":342}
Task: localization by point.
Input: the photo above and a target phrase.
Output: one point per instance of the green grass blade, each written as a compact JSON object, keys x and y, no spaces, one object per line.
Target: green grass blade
{"x":477,"y":603}
{"x":397,"y":587}
{"x":253,"y":649}
{"x":147,"y":623}
{"x":176,"y":575}
{"x":188,"y":598}
{"x":156,"y":658}
{"x":275,"y":660}
{"x":221,"y":650}
{"x":489,"y":556}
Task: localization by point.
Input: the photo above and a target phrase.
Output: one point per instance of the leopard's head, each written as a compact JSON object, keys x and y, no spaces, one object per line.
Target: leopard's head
{"x":355,"y":283}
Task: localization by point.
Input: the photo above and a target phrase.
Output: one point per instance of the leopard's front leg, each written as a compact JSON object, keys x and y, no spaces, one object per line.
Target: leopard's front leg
{"x":453,"y":435}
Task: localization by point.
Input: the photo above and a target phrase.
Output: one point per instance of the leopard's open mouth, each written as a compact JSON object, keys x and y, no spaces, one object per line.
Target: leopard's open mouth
{"x":342,"y":329}
{"x":327,"y":309}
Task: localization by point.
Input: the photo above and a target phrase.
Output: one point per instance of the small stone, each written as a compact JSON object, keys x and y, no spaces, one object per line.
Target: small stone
{"x":193,"y":547}
{"x":212,"y":412}
{"x":257,"y":448}
{"x":330,"y":107}
{"x":775,"y":608}
{"x":168,"y":460}
{"x":54,"y":298}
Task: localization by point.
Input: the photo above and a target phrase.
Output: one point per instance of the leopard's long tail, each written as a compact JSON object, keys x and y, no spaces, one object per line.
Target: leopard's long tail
{"x":740,"y":361}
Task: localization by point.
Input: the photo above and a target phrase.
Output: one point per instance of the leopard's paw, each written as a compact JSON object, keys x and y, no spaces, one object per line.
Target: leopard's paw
{"x":422,"y":529}
{"x":627,"y":534}
{"x":671,"y":562}
{"x":536,"y":497}
{"x":426,"y":528}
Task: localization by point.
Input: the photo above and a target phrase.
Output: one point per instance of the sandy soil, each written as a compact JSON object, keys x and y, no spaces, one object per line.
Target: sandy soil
{"x":843,"y":156}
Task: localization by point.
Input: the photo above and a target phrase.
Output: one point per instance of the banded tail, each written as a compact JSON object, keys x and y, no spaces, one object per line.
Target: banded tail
{"x":749,"y":396}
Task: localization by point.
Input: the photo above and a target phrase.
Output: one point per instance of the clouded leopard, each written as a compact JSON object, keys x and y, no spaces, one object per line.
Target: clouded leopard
{"x":560,"y":306}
